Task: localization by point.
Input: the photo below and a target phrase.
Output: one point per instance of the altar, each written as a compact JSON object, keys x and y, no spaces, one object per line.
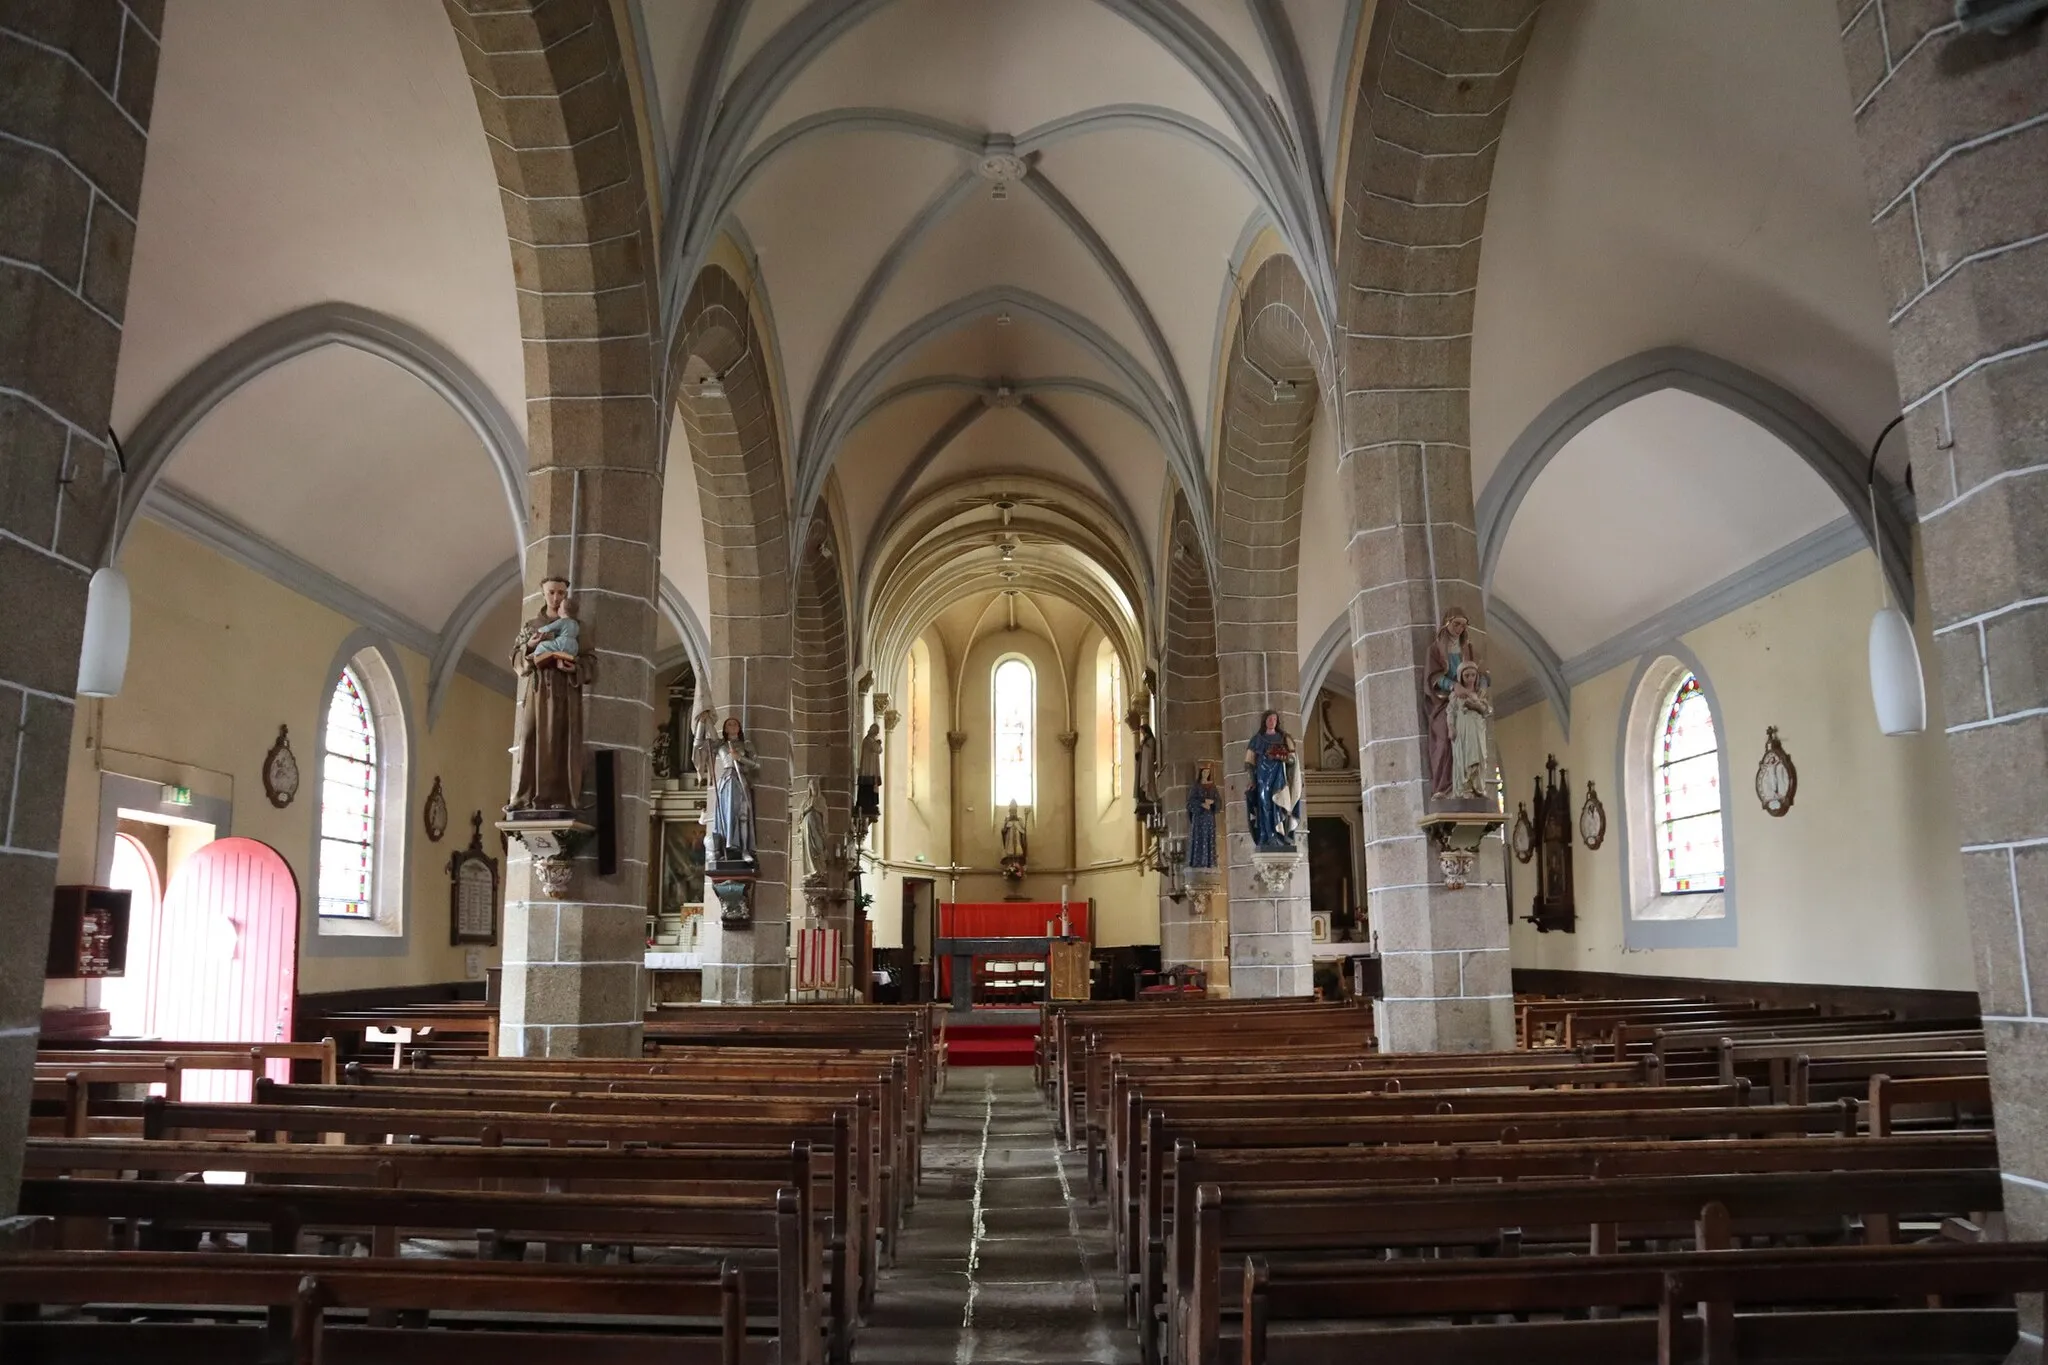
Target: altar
{"x":1017,"y":936}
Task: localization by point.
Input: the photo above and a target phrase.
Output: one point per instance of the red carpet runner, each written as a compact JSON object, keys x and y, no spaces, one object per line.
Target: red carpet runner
{"x":990,"y":1044}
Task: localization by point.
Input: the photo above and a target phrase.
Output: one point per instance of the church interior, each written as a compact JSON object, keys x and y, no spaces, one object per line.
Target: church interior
{"x":1086,"y":680}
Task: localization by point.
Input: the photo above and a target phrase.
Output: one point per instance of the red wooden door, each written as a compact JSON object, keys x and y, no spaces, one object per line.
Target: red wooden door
{"x":227,"y":950}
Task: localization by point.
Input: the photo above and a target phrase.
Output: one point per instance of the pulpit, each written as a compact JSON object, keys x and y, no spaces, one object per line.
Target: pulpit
{"x":1044,"y":932}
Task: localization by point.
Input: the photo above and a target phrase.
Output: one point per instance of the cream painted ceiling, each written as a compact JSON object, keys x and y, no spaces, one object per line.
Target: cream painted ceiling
{"x":1671,"y":175}
{"x":378,"y":480}
{"x":302,"y":154}
{"x":1649,"y":504}
{"x":1101,"y":275}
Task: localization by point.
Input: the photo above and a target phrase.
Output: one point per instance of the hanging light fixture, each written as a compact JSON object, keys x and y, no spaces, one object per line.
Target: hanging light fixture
{"x":103,"y":662}
{"x":1898,"y":688}
{"x":103,"y":658}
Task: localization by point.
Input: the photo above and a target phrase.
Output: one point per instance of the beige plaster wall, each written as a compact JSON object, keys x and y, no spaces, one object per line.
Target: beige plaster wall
{"x":221,"y":656}
{"x":1860,"y":884}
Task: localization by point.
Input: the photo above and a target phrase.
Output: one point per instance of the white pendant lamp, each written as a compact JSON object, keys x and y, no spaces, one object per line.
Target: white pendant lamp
{"x":1898,"y":688}
{"x":103,"y":662}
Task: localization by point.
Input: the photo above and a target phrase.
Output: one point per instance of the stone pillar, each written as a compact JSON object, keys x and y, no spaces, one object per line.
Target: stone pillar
{"x":1070,"y":740}
{"x":550,"y":84}
{"x":1415,"y":203}
{"x":1954,"y":130}
{"x":956,"y":740}
{"x":76,"y":84}
{"x":1195,"y":930}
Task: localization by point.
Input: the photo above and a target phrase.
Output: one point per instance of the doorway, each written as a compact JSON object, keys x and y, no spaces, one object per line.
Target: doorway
{"x":920,"y":925}
{"x":224,"y":965}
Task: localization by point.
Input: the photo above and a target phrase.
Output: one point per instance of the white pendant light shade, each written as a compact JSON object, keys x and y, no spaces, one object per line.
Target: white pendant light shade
{"x":103,"y":663}
{"x":1897,"y":686}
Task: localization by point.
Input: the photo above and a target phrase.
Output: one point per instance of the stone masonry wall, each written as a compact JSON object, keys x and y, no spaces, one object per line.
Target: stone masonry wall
{"x":1954,"y":130}
{"x":76,"y":86}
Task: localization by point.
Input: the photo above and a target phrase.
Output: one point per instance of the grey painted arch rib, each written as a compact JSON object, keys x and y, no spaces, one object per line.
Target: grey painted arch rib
{"x":205,"y":386}
{"x":682,"y":617}
{"x":462,"y":623}
{"x":1549,"y":670}
{"x":1321,"y":660}
{"x":1823,"y":446}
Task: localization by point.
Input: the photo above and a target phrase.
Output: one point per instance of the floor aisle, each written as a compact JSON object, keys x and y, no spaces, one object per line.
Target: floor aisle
{"x":1003,"y":1262}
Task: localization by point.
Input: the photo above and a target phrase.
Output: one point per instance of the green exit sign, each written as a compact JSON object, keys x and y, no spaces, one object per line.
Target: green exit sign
{"x":177,"y":796}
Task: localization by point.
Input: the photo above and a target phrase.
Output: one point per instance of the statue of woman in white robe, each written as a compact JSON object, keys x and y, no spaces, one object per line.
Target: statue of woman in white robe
{"x":730,"y":814}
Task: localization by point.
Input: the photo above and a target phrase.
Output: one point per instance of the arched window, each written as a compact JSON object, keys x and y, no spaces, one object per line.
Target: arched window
{"x":348,"y":803}
{"x":1015,"y":704}
{"x":1687,"y":799}
{"x":1109,"y":723}
{"x":920,"y":704}
{"x":1675,"y":836}
{"x":359,"y":845}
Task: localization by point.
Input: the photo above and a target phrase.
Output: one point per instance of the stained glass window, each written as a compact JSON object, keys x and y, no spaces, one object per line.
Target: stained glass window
{"x":348,"y":803}
{"x":1688,"y":795}
{"x":1015,"y":701}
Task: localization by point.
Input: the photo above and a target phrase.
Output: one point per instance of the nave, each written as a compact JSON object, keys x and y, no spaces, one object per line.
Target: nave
{"x":1005,"y":1260}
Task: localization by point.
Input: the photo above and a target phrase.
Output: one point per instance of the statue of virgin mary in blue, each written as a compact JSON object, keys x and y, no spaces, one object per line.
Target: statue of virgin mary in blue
{"x":1272,"y":800}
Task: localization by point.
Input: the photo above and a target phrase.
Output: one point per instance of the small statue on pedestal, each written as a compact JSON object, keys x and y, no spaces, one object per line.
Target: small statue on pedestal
{"x":729,"y":760}
{"x":811,"y":822}
{"x":553,"y":670}
{"x":1273,"y":798}
{"x":1450,"y":653}
{"x":1146,"y":786}
{"x":1204,"y":801}
{"x":1016,"y":846}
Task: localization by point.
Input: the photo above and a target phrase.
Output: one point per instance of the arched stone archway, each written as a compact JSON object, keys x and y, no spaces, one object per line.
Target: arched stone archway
{"x":550,"y":81}
{"x":1272,"y":391}
{"x":718,"y":375}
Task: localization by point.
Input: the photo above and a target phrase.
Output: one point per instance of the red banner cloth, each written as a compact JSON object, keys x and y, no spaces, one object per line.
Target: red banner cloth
{"x":1010,"y":919}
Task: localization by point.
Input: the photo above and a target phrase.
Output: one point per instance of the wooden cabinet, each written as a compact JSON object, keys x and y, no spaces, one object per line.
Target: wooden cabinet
{"x":88,"y":933}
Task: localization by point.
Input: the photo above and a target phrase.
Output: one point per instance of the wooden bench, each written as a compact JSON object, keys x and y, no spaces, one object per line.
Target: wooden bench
{"x":281,"y":1214}
{"x":1350,"y":1219}
{"x":1376,"y":1313}
{"x":292,"y":1307}
{"x":1171,"y":1243}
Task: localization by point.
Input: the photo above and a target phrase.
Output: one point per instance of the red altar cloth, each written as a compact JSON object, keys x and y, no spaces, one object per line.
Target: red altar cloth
{"x":1004,"y":919}
{"x":1010,"y":919}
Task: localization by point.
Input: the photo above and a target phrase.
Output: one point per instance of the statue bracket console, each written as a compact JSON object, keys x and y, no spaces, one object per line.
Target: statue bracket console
{"x":1199,"y":888}
{"x":1456,"y":834}
{"x":551,"y":842}
{"x":1273,"y":870}
{"x":733,"y":884}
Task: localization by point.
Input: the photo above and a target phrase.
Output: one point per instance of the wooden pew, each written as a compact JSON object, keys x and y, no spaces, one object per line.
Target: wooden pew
{"x":1173,"y":1245}
{"x":1297,"y":1221}
{"x":1375,"y":1313}
{"x":86,"y":1051}
{"x":283,"y":1213}
{"x":293,"y":1310}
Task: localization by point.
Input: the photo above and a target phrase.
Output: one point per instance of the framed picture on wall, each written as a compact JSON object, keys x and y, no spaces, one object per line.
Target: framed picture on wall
{"x":473,"y":891}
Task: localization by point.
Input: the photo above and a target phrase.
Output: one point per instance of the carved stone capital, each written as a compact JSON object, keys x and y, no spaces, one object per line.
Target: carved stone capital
{"x":956,"y":740}
{"x":1069,"y":738}
{"x":1456,"y":864}
{"x":1273,"y":873}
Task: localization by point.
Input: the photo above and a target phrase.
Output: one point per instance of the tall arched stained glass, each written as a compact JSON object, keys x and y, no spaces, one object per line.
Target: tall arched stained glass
{"x":348,"y":803}
{"x":1015,"y":703}
{"x":1688,"y":795}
